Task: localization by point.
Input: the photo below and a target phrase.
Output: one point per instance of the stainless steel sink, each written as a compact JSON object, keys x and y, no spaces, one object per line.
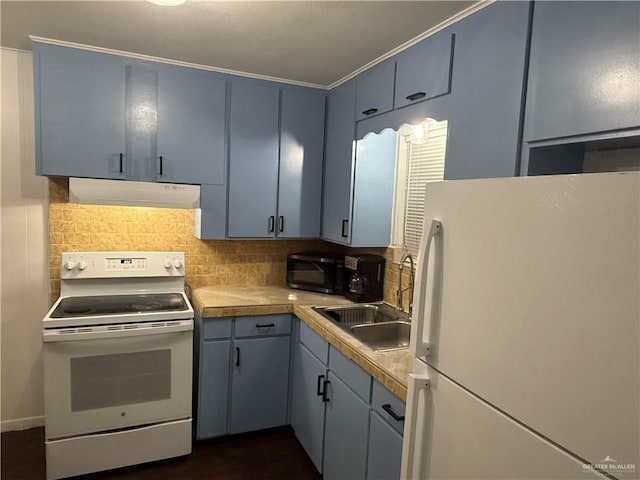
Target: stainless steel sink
{"x":378,"y":325}
{"x":383,"y":336}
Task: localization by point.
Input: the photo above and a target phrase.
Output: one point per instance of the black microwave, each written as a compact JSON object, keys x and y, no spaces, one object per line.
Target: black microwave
{"x":317,"y":272}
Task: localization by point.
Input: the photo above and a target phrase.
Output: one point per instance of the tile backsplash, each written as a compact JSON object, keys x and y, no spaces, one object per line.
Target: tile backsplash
{"x":75,"y":227}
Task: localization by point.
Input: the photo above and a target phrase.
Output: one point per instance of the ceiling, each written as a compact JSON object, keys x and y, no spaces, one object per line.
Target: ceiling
{"x":312,"y":42}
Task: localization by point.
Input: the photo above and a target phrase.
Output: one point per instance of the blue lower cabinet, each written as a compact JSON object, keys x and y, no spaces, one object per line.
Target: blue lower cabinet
{"x":213,"y":394}
{"x":346,"y":432}
{"x":260,"y":382}
{"x":385,"y":450}
{"x":307,"y":410}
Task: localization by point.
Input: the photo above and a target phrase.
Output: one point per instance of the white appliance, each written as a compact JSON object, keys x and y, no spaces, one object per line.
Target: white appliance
{"x":117,"y":362}
{"x":526,"y":331}
{"x":136,"y":194}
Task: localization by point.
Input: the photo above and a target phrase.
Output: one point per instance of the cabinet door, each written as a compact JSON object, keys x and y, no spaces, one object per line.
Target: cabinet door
{"x":213,"y":393}
{"x":191,"y":126}
{"x":375,"y":90}
{"x":259,"y":383}
{"x":374,"y":187}
{"x":338,"y":163}
{"x":584,"y":69}
{"x":424,"y":70}
{"x":307,"y":413}
{"x":385,"y":451}
{"x":301,"y":150}
{"x":346,"y":432}
{"x":253,"y":160}
{"x":80,"y":113}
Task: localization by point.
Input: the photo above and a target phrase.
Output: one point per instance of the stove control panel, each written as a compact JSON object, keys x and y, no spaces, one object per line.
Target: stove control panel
{"x":77,"y":265}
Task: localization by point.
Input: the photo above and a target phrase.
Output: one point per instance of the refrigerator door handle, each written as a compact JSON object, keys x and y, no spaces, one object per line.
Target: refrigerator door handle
{"x":417,"y":383}
{"x":419,"y":348}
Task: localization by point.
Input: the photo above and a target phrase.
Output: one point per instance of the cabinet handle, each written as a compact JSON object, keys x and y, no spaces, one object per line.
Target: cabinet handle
{"x":121,"y":157}
{"x":371,"y":111}
{"x":319,"y":390}
{"x":265,"y":325}
{"x":160,"y":157}
{"x":387,"y":408}
{"x":237,"y":357}
{"x":281,"y":223}
{"x":345,"y":224}
{"x":325,"y":391}
{"x":416,"y":96}
{"x":272,"y":222}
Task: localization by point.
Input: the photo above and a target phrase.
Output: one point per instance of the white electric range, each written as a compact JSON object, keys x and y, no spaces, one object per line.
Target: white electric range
{"x":117,"y":362}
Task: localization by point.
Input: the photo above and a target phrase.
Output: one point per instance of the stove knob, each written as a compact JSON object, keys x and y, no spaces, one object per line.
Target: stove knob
{"x":69,"y":265}
{"x":177,"y":263}
{"x":82,"y":265}
{"x":167,"y":264}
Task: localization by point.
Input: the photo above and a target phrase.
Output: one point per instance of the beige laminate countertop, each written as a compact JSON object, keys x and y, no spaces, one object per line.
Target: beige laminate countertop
{"x":391,"y":368}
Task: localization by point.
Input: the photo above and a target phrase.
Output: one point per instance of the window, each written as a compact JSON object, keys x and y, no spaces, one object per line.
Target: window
{"x":421,"y":154}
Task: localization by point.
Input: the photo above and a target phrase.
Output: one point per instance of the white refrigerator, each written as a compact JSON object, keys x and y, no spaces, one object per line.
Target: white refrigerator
{"x":525,"y":335}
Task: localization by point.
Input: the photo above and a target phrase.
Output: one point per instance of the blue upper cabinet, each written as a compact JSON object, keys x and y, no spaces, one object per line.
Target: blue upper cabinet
{"x":338,"y":163}
{"x":300,"y":174}
{"x":374,"y":90}
{"x":80,"y":113}
{"x":108,"y":116}
{"x":424,"y":70}
{"x":275,"y":161}
{"x":374,"y":182}
{"x":584,"y":69}
{"x":253,"y":159}
{"x":191,"y":126}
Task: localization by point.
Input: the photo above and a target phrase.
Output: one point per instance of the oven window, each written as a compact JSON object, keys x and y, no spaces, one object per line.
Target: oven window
{"x":120,"y":379}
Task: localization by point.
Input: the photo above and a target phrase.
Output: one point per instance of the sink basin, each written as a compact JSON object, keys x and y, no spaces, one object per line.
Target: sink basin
{"x":378,"y":325}
{"x":383,"y":336}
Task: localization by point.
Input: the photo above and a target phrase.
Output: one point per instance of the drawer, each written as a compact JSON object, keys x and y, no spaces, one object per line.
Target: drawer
{"x":381,"y":397}
{"x":216,"y":328}
{"x":350,"y":373}
{"x":263,"y":325}
{"x":314,"y":342}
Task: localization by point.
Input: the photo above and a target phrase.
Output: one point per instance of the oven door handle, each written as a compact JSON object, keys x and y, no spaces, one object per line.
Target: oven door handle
{"x":99,"y":332}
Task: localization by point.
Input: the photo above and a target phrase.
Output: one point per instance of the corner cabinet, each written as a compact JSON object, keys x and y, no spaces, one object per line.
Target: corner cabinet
{"x":339,"y":151}
{"x":99,"y":115}
{"x":243,"y":373}
{"x":349,"y":425}
{"x":275,"y":161}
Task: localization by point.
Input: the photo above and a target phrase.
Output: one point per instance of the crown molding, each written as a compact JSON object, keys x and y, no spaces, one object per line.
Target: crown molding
{"x":441,"y":26}
{"x":139,"y":56}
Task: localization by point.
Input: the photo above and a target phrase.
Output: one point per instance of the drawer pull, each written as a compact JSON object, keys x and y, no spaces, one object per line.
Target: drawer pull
{"x":416,"y":96}
{"x":265,"y":325}
{"x":121,"y":155}
{"x":160,"y":157}
{"x":387,"y":408}
{"x":325,"y":390}
{"x":319,"y":390}
{"x":237,"y":357}
{"x":370,"y":111}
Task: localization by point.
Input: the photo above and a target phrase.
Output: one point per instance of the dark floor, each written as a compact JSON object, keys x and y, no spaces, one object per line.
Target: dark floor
{"x":268,"y":454}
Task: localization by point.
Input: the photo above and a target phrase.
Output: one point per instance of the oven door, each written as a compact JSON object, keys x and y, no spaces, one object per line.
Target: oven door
{"x":100,"y":379}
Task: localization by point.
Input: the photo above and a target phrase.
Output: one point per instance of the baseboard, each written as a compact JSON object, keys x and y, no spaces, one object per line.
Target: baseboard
{"x":21,"y":423}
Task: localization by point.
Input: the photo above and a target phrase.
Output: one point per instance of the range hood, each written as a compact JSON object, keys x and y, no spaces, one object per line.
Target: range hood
{"x":133,"y":194}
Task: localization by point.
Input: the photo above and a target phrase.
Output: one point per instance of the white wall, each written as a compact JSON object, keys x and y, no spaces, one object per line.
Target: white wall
{"x":24,"y":271}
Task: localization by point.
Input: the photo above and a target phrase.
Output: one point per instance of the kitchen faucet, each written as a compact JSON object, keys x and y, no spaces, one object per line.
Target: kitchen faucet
{"x":400,"y":291}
